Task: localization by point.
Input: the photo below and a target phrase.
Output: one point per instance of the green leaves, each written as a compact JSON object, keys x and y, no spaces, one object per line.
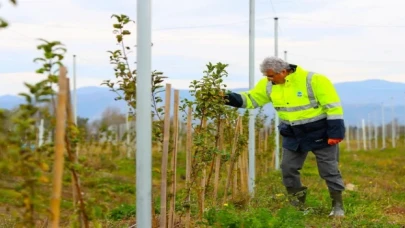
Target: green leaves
{"x":125,"y":84}
{"x":4,"y":23}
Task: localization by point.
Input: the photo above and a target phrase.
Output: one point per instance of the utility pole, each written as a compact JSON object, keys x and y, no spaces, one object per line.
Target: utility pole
{"x":144,"y":118}
{"x":277,"y":120}
{"x":251,"y":182}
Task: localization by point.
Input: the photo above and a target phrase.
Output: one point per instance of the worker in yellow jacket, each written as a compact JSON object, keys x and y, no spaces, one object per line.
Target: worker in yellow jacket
{"x":311,"y":119}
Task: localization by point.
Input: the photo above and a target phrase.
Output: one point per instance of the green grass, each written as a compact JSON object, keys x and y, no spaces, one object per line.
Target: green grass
{"x":378,"y":199}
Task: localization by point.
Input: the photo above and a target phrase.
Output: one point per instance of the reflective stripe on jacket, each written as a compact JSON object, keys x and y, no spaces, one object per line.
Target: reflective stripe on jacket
{"x":308,"y":106}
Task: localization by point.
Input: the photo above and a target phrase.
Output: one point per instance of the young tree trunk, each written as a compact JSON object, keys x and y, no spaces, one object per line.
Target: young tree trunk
{"x":76,"y":188}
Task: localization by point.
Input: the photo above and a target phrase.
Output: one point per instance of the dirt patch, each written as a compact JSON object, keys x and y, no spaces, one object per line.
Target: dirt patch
{"x":395,"y":210}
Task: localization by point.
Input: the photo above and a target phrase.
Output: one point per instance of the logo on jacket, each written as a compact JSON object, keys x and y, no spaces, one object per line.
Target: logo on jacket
{"x":299,"y":94}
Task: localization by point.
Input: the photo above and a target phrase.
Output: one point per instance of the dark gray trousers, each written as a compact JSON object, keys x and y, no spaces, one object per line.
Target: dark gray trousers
{"x":327,"y":160}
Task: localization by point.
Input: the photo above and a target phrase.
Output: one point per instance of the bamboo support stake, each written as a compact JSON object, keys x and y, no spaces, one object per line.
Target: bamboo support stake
{"x":235,"y":180}
{"x":59,"y":149}
{"x":188,"y":163}
{"x":172,"y":215}
{"x":165,"y":156}
{"x":218,"y":160}
{"x":203,"y":180}
{"x":244,"y":166}
{"x":232,"y":161}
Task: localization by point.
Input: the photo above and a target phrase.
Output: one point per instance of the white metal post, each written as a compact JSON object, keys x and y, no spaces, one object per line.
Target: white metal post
{"x":277,"y":120}
{"x":251,"y":182}
{"x":358,"y":137}
{"x":383,"y":126}
{"x":285,"y":56}
{"x":370,"y":136}
{"x":128,"y":139}
{"x":376,"y":133}
{"x":393,"y":124}
{"x":41,"y":133}
{"x":363,"y":124}
{"x":348,"y":138}
{"x":144,"y":117}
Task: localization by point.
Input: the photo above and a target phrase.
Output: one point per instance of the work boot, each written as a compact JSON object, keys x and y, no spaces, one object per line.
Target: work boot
{"x":297,"y":196}
{"x":337,"y":204}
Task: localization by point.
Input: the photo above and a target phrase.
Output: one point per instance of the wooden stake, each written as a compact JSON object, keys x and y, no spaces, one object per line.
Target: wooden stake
{"x":203,"y":180}
{"x":218,"y":160}
{"x":59,"y":149}
{"x":266,"y":155}
{"x":188,"y":163}
{"x":172,"y":215}
{"x":244,"y":167}
{"x":165,"y":156}
{"x":232,"y":160}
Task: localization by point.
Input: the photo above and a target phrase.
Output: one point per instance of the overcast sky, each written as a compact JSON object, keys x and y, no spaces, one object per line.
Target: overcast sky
{"x":347,"y":40}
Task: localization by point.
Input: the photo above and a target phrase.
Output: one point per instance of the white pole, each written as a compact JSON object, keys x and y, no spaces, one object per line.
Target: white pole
{"x":376,"y":133}
{"x":370,"y":132}
{"x":393,"y":123}
{"x":128,"y":135}
{"x":358,"y":137}
{"x":285,"y":55}
{"x":251,"y":183}
{"x":74,"y":91}
{"x":144,"y":118}
{"x":41,"y":133}
{"x":277,"y":120}
{"x":348,"y":138}
{"x":363,"y":124}
{"x":383,"y":126}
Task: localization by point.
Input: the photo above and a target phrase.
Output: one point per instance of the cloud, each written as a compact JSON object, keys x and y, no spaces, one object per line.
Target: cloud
{"x":344,"y":40}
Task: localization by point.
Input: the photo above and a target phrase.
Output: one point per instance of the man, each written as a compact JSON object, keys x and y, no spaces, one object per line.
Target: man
{"x":311,"y":119}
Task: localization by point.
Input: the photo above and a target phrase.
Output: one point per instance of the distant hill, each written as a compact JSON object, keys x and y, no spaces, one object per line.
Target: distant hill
{"x":358,"y":98}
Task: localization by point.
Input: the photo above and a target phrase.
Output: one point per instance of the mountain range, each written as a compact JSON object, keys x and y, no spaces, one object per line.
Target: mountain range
{"x":361,"y":99}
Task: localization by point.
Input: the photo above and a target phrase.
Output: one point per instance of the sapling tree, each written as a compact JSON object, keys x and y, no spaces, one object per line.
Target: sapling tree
{"x":125,"y":73}
{"x":53,"y":54}
{"x":34,"y":161}
{"x":208,"y":111}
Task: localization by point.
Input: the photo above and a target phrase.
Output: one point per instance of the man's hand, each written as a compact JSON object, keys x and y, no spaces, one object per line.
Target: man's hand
{"x":334,"y":141}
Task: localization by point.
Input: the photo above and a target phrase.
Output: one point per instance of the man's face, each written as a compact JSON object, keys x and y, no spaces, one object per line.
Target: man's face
{"x":276,"y":78}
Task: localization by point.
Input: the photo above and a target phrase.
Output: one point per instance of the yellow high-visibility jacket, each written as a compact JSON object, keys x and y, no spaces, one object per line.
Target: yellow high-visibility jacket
{"x":307,"y":104}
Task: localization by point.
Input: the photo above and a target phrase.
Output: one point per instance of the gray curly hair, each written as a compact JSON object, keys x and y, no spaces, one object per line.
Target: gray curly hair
{"x":274,"y":63}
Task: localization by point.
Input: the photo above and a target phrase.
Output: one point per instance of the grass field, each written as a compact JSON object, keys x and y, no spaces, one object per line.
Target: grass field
{"x":375,"y":196}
